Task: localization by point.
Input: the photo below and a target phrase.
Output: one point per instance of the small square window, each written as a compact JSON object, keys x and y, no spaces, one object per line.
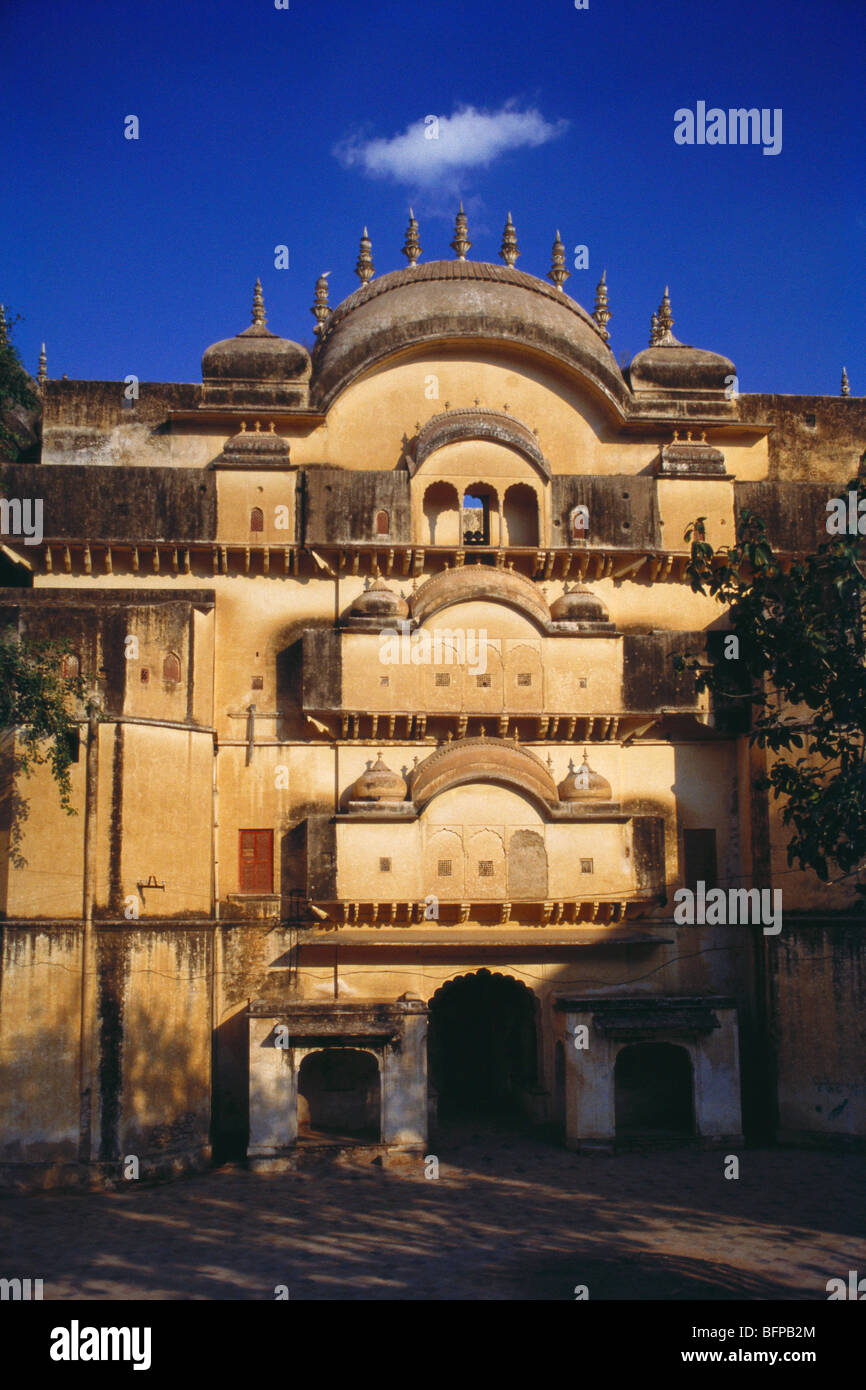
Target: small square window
{"x":586,"y":866}
{"x":483,"y":680}
{"x":485,"y":868}
{"x":145,"y":675}
{"x":444,"y":868}
{"x":442,"y":678}
{"x":384,"y":866}
{"x":810,"y":419}
{"x":258,"y":683}
{"x":384,"y":680}
{"x":582,"y":683}
{"x":524,"y":678}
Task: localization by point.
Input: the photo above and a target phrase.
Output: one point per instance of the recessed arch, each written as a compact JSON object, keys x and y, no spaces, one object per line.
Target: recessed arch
{"x":339,"y":1092}
{"x":484,"y":760}
{"x":520,"y":515}
{"x":171,"y":669}
{"x":482,"y":1043}
{"x":480,"y":521}
{"x":442,"y":513}
{"x":458,"y":426}
{"x":485,"y":583}
{"x":654,"y":1089}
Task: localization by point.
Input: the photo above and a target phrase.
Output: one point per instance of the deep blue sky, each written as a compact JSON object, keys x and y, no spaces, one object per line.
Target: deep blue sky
{"x":133,"y":256}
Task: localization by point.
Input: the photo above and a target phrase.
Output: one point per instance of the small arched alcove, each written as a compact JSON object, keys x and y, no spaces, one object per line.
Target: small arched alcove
{"x":442,"y":514}
{"x":654,"y":1090}
{"x":339,"y":1094}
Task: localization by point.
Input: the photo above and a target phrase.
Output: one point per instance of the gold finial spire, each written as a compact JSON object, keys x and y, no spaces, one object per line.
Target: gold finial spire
{"x":846,"y":388}
{"x":601,"y":312}
{"x":259,"y":306}
{"x":666,"y":322}
{"x":321,"y":308}
{"x":42,"y":375}
{"x":364,"y":267}
{"x":461,"y":243}
{"x":508,"y":251}
{"x":558,"y":273}
{"x":412,"y":246}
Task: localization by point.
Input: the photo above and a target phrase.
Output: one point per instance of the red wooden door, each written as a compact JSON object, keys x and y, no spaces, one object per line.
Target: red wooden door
{"x":256,"y":873}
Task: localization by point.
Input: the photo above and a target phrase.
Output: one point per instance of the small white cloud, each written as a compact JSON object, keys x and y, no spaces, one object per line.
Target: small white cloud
{"x":466,"y":140}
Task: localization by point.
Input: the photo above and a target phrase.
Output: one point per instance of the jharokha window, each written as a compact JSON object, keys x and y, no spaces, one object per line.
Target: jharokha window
{"x":257,"y":519}
{"x":256,"y":874}
{"x":70,"y":667}
{"x":383,"y":524}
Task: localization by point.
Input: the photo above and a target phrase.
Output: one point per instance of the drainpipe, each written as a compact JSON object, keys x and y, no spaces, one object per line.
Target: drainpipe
{"x":251,"y":732}
{"x":88,"y":948}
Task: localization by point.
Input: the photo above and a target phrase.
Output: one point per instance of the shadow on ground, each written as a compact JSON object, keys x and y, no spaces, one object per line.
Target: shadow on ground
{"x":509,"y":1217}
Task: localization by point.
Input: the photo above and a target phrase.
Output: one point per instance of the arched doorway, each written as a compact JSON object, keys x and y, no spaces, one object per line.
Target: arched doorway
{"x":338,"y":1094}
{"x":482,"y":1045}
{"x":653,"y":1090}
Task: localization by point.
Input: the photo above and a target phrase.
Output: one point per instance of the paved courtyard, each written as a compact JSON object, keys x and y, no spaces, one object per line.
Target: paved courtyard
{"x":508,"y":1217}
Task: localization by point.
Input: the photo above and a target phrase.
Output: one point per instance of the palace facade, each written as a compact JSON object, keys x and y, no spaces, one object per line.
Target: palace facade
{"x":394,"y":779}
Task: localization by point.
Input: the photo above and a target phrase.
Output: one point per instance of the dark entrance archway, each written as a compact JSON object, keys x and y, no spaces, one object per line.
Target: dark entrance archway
{"x":338,"y":1094}
{"x":654,"y":1090}
{"x":481,"y":1042}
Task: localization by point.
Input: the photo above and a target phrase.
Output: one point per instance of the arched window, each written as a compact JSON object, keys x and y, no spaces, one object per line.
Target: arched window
{"x":480,"y":506}
{"x":70,"y":667}
{"x":383,"y":524}
{"x":257,"y":519}
{"x":171,"y":669}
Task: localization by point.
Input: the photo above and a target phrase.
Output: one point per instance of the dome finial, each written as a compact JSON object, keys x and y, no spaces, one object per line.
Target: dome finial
{"x":412,"y":246}
{"x":845,"y":388}
{"x":259,"y":306}
{"x":655,"y":331}
{"x":42,"y":375}
{"x":666,"y":322}
{"x":364,"y":266}
{"x":321,"y":308}
{"x":558,"y":273}
{"x":461,"y":243}
{"x":508,"y":252}
{"x":601,"y":312}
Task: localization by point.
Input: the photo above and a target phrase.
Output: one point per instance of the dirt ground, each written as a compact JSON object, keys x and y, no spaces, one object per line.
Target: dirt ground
{"x":508,"y":1217}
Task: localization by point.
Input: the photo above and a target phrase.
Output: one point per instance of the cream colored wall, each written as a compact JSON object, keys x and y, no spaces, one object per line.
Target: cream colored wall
{"x":497,"y":641}
{"x":167,"y":820}
{"x":470,"y":824}
{"x":576,"y":434}
{"x":682,"y":500}
{"x":52,"y":846}
{"x":271,"y":491}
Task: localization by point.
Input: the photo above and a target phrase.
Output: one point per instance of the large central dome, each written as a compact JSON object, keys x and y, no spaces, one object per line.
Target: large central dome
{"x":455,"y":300}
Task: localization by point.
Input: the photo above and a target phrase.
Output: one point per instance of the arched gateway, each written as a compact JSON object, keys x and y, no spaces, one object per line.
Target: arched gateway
{"x":482,"y":1050}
